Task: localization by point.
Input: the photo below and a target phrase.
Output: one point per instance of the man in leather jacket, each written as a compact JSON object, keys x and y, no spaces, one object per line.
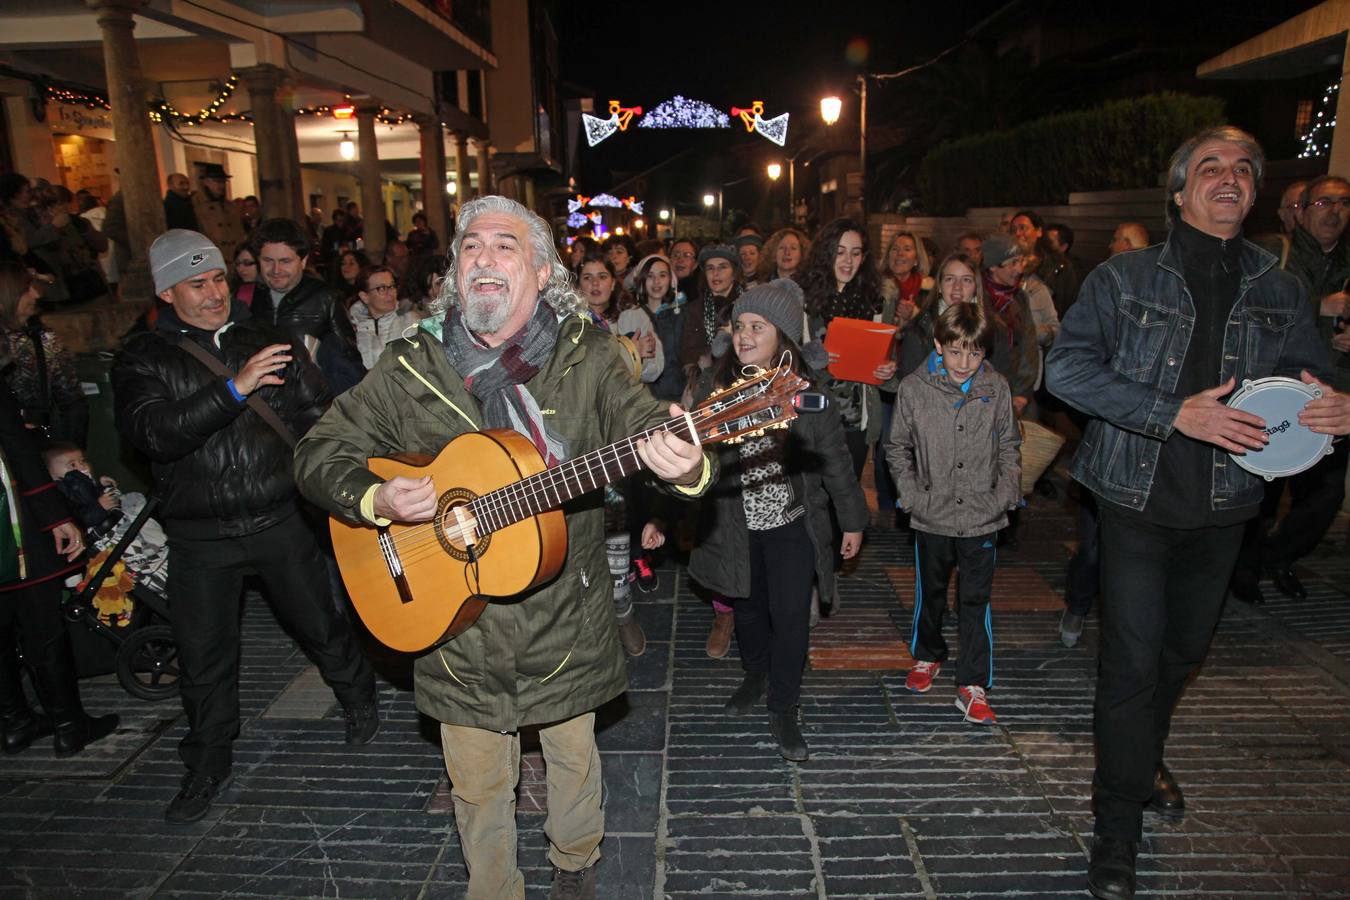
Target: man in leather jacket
{"x":228,"y":500}
{"x":293,"y":301}
{"x":1156,"y":341}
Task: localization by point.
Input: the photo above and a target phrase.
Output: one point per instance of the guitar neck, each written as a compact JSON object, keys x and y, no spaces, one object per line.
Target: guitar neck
{"x":553,"y":487}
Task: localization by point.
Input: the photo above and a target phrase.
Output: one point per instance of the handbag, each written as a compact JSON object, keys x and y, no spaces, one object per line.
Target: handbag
{"x":1040,"y":446}
{"x":255,"y":403}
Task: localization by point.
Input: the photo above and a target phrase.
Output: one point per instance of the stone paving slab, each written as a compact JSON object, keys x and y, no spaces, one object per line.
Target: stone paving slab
{"x":900,"y":798}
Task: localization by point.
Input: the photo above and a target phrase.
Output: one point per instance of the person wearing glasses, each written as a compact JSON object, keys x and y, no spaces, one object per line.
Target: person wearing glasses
{"x":377,"y":315}
{"x":1291,"y":206}
{"x":1319,"y":259}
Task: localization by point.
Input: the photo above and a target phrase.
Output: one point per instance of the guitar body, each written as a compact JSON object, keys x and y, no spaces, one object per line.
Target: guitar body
{"x":445,"y":582}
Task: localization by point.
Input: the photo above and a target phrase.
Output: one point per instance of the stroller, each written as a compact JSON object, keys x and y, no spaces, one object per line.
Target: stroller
{"x":134,"y":641}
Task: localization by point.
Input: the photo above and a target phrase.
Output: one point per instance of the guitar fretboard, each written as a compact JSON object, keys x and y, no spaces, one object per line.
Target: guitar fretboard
{"x":553,"y":487}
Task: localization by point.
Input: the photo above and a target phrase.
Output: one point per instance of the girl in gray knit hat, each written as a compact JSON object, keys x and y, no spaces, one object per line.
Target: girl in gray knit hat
{"x":765,"y":534}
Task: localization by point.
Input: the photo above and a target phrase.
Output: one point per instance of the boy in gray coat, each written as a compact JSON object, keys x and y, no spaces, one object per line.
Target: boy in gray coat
{"x":954,"y":453}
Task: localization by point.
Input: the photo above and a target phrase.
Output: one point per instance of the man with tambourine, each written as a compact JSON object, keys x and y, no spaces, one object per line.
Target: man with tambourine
{"x":1158,"y":338}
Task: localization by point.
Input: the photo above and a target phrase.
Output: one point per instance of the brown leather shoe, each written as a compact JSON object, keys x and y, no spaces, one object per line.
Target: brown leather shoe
{"x":631,"y":635}
{"x":1166,"y":799}
{"x":719,"y":639}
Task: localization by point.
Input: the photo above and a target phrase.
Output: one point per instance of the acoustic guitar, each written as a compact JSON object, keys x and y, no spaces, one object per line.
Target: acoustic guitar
{"x":498,"y":530}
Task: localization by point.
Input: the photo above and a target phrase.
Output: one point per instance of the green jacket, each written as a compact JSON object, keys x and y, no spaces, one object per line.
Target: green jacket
{"x":541,"y":657}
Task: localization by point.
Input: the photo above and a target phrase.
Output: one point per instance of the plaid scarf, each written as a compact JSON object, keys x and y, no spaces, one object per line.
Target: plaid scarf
{"x":1004,"y":298}
{"x":496,"y":376}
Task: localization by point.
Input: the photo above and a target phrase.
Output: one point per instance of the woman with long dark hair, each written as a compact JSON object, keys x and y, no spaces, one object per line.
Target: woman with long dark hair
{"x":840,"y":279}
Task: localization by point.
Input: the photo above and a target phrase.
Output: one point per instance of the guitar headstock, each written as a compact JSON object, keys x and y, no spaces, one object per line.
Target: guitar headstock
{"x":749,"y":407}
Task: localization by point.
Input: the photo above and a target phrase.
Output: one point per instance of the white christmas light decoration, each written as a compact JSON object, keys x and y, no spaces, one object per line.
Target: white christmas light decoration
{"x":1317,"y":142}
{"x":619,"y":116}
{"x":774,"y":129}
{"x":679,"y":112}
{"x":607,"y":200}
{"x":576,"y":220}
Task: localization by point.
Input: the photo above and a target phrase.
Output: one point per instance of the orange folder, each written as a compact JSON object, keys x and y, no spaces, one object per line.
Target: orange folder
{"x":858,"y":347}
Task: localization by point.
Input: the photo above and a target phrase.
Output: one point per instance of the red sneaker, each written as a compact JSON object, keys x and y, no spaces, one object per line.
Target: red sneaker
{"x":921,"y":676}
{"x":970,"y":700}
{"x":646,"y":578}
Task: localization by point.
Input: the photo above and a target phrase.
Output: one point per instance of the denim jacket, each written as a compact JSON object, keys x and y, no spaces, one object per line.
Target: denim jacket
{"x":1119,"y":355}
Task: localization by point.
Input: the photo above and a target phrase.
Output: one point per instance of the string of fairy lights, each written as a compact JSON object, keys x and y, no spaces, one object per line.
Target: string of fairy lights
{"x":1317,"y":142}
{"x":161,"y":110}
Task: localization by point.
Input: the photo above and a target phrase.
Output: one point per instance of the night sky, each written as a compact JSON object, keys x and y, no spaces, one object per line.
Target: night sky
{"x":789,"y":55}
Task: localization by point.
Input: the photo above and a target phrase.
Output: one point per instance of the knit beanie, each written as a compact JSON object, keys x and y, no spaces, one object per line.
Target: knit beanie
{"x":997,"y":249}
{"x":719,"y":251}
{"x":779,"y":302}
{"x":179,"y":254}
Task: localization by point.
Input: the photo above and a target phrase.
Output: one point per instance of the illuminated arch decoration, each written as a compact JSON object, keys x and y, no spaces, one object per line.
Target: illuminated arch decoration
{"x":598,"y":129}
{"x":603,"y":201}
{"x":774,"y":129}
{"x":681,"y":112}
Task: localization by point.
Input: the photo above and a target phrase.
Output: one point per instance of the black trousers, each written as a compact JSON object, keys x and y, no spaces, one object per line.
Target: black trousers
{"x":1315,"y":496}
{"x":206,"y":581}
{"x":1083,"y":578}
{"x":35,"y":612}
{"x":935,"y":556}
{"x":773,"y":623}
{"x":1162,"y":592}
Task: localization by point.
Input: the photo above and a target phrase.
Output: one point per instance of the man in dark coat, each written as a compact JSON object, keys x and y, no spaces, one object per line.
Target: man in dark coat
{"x":178,"y":209}
{"x":295,"y":302}
{"x":228,"y":499}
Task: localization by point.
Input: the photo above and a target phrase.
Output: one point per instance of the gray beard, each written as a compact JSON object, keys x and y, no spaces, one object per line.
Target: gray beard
{"x":486,"y":315}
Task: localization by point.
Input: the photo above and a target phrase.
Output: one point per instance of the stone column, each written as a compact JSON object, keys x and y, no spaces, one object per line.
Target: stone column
{"x":484,"y":169}
{"x":433,"y":177}
{"x":139,"y":176}
{"x":372,"y":201}
{"x":269,"y":126}
{"x":1338,"y":158}
{"x":462,"y":167}
{"x":295,"y":186}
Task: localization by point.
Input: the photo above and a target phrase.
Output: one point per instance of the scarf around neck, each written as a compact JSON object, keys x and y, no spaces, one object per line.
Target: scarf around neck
{"x":1004,"y":298}
{"x":496,"y":376}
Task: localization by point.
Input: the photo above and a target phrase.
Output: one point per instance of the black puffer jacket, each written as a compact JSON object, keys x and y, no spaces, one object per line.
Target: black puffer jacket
{"x":306,"y":311}
{"x":219,"y":469}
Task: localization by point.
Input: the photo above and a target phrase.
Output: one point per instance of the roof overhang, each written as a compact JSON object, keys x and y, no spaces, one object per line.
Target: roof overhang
{"x":1308,"y":43}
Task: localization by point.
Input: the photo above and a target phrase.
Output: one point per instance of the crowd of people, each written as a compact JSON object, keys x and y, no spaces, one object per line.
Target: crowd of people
{"x":266,"y":380}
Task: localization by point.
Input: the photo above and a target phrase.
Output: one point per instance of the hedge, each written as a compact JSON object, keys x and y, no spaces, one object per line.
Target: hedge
{"x":1118,"y":145}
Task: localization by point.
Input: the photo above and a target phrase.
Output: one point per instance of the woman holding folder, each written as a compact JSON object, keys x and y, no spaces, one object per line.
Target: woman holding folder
{"x":840,"y":280}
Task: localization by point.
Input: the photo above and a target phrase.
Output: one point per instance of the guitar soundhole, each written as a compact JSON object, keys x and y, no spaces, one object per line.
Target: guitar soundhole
{"x":445,"y":518}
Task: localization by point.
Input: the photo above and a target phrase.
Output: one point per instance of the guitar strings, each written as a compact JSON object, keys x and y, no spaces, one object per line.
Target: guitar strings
{"x":495,"y":508}
{"x":500,"y":500}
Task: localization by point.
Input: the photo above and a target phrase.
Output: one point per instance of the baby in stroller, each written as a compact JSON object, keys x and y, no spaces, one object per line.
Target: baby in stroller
{"x":105,"y":514}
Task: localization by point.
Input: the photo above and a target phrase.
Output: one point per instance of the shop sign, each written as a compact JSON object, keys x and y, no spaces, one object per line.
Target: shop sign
{"x":64,"y":118}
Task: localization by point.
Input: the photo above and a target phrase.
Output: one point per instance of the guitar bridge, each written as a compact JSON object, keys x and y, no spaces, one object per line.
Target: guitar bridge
{"x":391,"y":559}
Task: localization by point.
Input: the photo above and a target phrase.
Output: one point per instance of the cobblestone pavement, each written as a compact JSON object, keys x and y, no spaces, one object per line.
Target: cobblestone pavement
{"x":899,"y":799}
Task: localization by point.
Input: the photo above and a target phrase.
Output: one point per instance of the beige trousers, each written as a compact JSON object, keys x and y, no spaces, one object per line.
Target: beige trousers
{"x":484,"y":769}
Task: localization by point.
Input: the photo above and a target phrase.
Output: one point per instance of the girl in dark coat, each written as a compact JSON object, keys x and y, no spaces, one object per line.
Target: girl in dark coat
{"x":766,"y":534}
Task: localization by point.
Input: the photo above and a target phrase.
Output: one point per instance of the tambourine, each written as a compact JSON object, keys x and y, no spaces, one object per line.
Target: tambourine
{"x":1293,"y":448}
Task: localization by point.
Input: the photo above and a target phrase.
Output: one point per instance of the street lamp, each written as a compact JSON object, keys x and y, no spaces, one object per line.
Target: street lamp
{"x":708,"y":201}
{"x":830,"y":107}
{"x":775,"y":171}
{"x":664,"y":215}
{"x":638,"y":223}
{"x":346,"y":149}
